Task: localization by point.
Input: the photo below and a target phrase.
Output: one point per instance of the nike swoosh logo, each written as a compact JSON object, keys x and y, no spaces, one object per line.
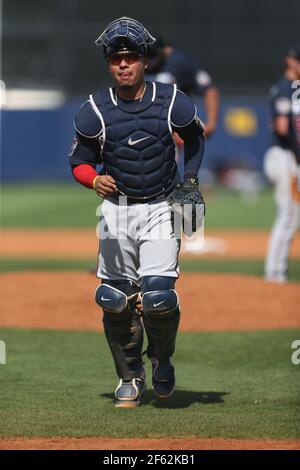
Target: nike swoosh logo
{"x":159,"y":303}
{"x":133,"y":142}
{"x":102,"y":298}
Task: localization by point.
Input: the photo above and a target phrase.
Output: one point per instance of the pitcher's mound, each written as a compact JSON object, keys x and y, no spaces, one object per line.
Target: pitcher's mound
{"x":209,"y":302}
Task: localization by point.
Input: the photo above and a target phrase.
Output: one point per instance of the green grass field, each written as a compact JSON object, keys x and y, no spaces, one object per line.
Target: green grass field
{"x":70,"y":205}
{"x":239,"y":385}
{"x":253,"y":267}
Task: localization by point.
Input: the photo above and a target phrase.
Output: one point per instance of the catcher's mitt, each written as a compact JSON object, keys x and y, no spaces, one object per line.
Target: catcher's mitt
{"x":187,"y":199}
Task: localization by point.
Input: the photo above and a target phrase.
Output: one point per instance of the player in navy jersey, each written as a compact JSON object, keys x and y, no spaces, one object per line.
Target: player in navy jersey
{"x":171,"y":65}
{"x":281,"y":164}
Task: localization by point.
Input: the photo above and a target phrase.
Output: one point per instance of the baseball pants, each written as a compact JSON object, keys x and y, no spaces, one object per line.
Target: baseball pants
{"x":282,"y":170}
{"x":137,"y":240}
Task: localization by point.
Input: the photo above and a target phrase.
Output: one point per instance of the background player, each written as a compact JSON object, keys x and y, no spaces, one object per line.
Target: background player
{"x":168,"y":64}
{"x":129,"y":129}
{"x":171,"y":65}
{"x":281,"y":164}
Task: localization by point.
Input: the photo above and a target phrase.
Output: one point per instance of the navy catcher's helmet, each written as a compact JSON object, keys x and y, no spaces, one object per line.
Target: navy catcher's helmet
{"x":125,"y":34}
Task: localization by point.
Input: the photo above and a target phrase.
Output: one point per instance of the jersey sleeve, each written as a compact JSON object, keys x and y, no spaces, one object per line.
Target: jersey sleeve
{"x":186,"y":123}
{"x":203,"y":82}
{"x":85,"y":150}
{"x":194,"y":144}
{"x":183,"y":112}
{"x":281,"y":99}
{"x":86,"y":147}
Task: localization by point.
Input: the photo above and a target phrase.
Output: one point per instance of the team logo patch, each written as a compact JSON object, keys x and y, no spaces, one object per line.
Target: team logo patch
{"x":73,"y":146}
{"x":136,"y":141}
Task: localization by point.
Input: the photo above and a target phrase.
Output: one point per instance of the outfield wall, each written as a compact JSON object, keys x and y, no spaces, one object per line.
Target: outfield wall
{"x":35,"y":143}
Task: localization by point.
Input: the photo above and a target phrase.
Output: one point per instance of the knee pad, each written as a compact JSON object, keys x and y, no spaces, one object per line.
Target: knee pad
{"x":113,"y":296}
{"x":159,"y":299}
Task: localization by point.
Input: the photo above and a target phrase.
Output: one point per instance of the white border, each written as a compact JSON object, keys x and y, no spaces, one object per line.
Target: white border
{"x":112,"y":96}
{"x":170,"y":110}
{"x":102,"y":133}
{"x":154,"y":92}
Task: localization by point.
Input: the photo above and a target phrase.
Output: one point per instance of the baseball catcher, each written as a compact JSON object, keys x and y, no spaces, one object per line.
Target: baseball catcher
{"x":124,"y":150}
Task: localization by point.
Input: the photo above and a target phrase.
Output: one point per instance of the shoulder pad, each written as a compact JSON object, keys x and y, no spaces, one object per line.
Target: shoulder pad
{"x":88,"y":121}
{"x":184,"y":110}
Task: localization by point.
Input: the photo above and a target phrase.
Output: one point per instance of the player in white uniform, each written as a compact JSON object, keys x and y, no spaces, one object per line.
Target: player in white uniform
{"x":281,"y":165}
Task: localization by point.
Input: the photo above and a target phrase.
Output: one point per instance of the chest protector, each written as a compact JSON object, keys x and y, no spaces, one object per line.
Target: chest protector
{"x":138,"y":150}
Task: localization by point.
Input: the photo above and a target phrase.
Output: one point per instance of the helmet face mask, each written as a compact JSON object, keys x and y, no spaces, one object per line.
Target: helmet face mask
{"x":125,"y":34}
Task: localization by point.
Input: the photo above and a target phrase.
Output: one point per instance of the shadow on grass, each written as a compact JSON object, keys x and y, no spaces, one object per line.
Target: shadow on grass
{"x":180,"y":399}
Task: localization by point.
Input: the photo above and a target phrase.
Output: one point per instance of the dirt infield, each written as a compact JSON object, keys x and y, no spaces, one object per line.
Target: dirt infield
{"x":93,"y":443}
{"x":78,"y":244}
{"x":65,"y":300}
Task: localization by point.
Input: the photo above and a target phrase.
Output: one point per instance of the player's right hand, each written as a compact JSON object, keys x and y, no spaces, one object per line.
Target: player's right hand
{"x":104,"y":185}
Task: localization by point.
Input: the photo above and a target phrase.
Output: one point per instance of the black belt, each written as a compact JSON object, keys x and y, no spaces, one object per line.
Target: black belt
{"x":116,"y":195}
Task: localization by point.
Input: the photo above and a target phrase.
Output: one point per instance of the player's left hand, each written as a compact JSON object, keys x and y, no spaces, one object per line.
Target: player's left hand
{"x":192,"y":204}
